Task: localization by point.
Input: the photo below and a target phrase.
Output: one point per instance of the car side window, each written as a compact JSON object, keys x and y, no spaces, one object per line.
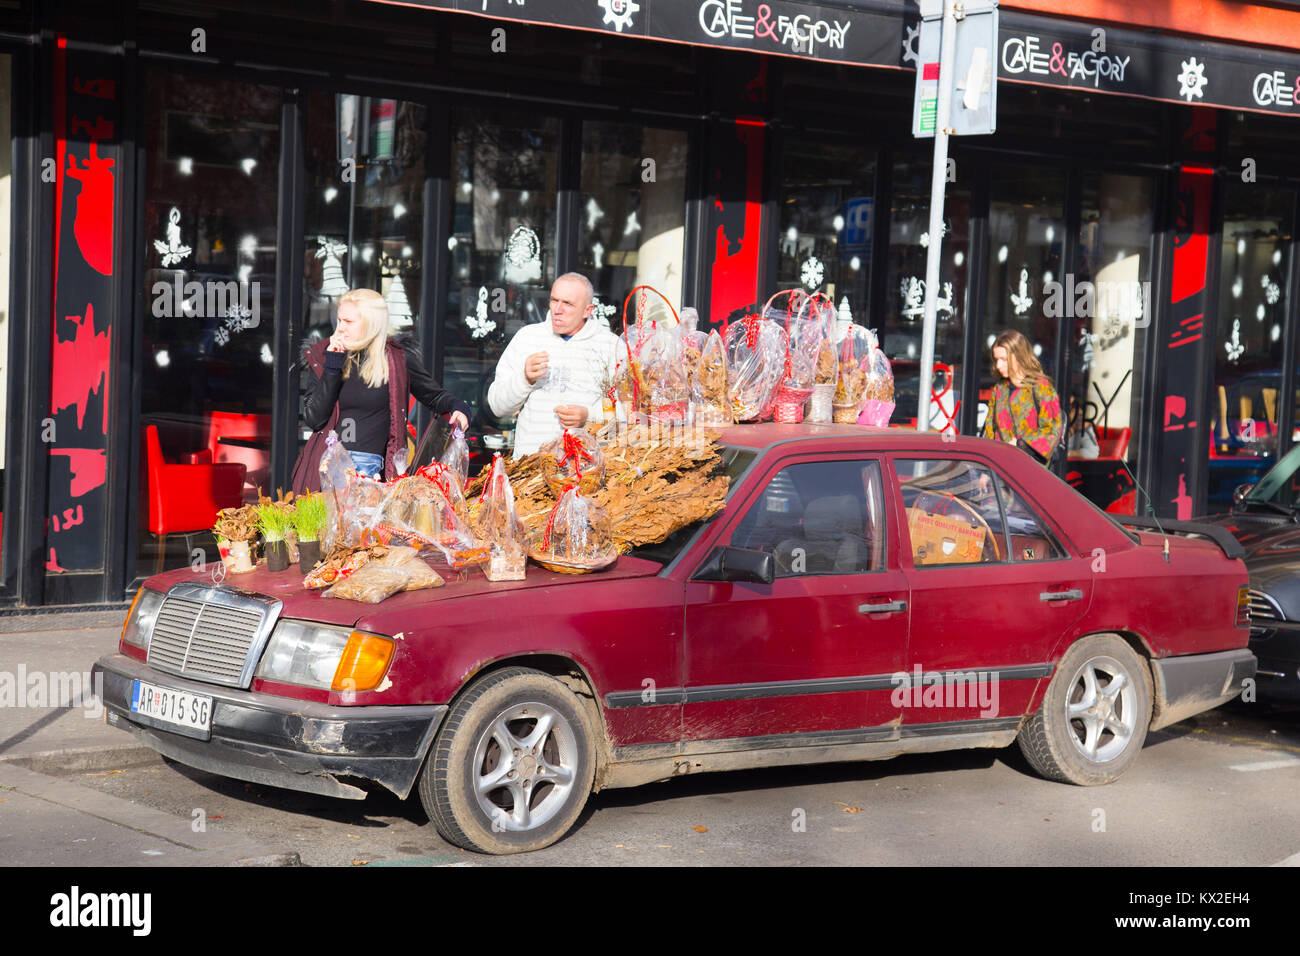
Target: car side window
{"x":1029,"y":538}
{"x":952,"y":511}
{"x":823,"y":517}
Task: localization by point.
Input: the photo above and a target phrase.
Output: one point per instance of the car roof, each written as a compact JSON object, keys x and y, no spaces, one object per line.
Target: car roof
{"x":765,"y":435}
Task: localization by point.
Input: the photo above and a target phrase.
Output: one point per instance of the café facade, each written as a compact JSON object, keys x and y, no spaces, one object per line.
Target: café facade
{"x":188,"y":189}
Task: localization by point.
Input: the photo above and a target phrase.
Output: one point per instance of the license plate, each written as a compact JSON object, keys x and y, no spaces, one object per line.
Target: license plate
{"x":177,"y":707}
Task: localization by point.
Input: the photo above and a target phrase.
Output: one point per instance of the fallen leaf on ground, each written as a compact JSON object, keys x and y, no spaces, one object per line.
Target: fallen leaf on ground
{"x":360,"y":862}
{"x":849,"y":809}
{"x":104,"y":773}
{"x":699,"y":829}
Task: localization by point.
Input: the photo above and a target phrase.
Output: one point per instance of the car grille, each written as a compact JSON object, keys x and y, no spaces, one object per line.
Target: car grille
{"x":1263,"y":612}
{"x":211,"y":634}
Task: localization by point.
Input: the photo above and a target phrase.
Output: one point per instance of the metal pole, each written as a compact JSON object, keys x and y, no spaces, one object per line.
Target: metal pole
{"x":938,"y":181}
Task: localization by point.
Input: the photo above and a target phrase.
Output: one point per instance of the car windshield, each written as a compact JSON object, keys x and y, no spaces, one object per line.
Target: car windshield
{"x":1280,"y":485}
{"x":736,"y":462}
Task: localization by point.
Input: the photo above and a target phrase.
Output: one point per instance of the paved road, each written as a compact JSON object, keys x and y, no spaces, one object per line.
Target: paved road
{"x":1217,"y":790}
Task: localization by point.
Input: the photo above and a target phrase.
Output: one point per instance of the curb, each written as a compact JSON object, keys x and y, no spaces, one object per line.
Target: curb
{"x":69,"y":760}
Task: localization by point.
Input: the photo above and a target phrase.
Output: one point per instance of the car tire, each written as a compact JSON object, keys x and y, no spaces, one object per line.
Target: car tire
{"x":491,"y":736}
{"x":1094,"y":717}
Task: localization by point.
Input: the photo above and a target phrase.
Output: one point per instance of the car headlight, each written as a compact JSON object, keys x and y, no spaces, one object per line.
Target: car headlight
{"x":329,"y":658}
{"x":140,"y":620}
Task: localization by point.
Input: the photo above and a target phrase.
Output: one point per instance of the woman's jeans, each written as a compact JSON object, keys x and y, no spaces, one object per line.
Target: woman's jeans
{"x":372,"y":466}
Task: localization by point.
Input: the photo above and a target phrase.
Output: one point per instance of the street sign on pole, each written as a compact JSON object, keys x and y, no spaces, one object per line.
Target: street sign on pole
{"x":944,"y":74}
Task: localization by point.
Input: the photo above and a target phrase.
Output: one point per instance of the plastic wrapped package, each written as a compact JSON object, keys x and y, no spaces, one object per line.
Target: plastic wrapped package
{"x":638,"y":344}
{"x":855,"y":351}
{"x":755,"y":354}
{"x":499,"y":527}
{"x":576,"y":537}
{"x":664,"y":367}
{"x":338,"y":565}
{"x":369,"y":585}
{"x":879,"y":403}
{"x":429,"y":508}
{"x":335,"y":464}
{"x":710,"y":405}
{"x":573,"y":460}
{"x":456,"y":458}
{"x":419,"y":574}
{"x":363,"y":501}
{"x":796,"y":313}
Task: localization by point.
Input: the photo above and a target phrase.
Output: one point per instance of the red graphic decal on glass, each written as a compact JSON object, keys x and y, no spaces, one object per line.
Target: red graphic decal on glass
{"x":94,"y":223}
{"x":735,"y":256}
{"x":80,"y":368}
{"x":88,"y":467}
{"x":52,"y":562}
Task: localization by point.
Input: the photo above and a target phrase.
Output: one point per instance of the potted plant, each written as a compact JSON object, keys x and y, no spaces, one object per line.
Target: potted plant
{"x":236,"y":531}
{"x":309,"y":519}
{"x":275,"y":521}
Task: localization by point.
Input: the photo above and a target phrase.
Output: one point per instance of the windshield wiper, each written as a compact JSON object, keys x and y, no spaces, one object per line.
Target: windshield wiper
{"x":1280,"y":509}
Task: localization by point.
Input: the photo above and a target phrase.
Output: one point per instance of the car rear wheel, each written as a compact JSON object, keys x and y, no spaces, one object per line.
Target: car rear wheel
{"x":512,"y":766}
{"x":1094,"y":717}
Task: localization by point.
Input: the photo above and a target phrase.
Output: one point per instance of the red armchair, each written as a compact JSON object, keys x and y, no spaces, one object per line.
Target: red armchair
{"x":186,"y":497}
{"x":245,"y":428}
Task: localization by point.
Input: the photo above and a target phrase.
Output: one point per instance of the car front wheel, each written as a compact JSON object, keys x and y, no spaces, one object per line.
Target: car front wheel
{"x":512,"y":766}
{"x":1094,"y":717}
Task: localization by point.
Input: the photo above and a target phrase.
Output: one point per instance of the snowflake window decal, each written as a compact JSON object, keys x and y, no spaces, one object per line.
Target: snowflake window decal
{"x":813,"y":272}
{"x":1192,"y":81}
{"x":1272,"y":291}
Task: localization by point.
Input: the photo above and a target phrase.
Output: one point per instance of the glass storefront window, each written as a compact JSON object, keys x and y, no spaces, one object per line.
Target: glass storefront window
{"x":1110,"y":323}
{"x":901,"y":326}
{"x":632,"y":213}
{"x":209,"y":254}
{"x":6,"y":189}
{"x":1248,"y":346}
{"x":827,"y":220}
{"x":1026,"y":237}
{"x":364,"y":216}
{"x":502,"y":248}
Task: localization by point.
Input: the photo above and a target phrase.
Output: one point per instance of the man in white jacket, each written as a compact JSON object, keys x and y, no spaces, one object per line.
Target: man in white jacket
{"x":551,"y":374}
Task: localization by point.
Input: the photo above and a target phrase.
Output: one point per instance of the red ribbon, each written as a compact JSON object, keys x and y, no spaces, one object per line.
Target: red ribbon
{"x":574,"y":449}
{"x":751,"y":331}
{"x":550,"y":519}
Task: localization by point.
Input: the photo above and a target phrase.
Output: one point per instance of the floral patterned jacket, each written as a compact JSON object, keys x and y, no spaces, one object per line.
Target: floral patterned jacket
{"x":1033,"y":414}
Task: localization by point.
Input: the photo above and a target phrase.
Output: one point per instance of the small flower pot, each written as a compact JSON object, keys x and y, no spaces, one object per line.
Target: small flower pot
{"x":308,"y":555}
{"x":236,"y":556}
{"x":277,"y":555}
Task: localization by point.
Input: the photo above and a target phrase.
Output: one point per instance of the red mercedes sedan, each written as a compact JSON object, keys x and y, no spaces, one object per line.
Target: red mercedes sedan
{"x":865,"y":593}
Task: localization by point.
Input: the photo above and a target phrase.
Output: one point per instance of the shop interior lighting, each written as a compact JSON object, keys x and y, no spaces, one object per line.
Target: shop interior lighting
{"x":466,"y":188}
{"x":838,"y":223}
{"x":1002,"y":254}
{"x":407,"y":252}
{"x":452,"y":243}
{"x":958,"y":258}
{"x":1050,"y":234}
{"x":330,"y":193}
{"x":524,"y":196}
{"x":398,"y":212}
{"x":186,"y":165}
{"x":1236,"y":287}
{"x":855,"y":263}
{"x":248,"y":165}
{"x":792,"y":234}
{"x":367,"y":254}
{"x":162,"y":359}
{"x":266,"y":356}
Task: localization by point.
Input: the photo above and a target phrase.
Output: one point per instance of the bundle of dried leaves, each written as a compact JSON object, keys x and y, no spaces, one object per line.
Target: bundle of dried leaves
{"x":656,"y":482}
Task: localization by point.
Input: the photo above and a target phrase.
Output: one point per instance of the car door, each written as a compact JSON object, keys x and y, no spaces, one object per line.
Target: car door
{"x":814,"y":651}
{"x":993,"y":587}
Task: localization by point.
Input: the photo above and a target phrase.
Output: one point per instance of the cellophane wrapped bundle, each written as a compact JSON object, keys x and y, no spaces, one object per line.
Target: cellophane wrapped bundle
{"x":429,"y":508}
{"x":804,"y":331}
{"x":879,"y":403}
{"x":573,"y":459}
{"x":388,"y":571}
{"x":499,"y":527}
{"x":664,"y":367}
{"x":710,"y":404}
{"x":755,"y":355}
{"x":855,"y":351}
{"x":363,"y":501}
{"x":576,"y":536}
{"x":456,"y":458}
{"x":335,"y":464}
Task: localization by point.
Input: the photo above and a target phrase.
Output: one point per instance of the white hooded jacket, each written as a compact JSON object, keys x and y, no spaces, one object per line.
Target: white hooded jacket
{"x":576,"y":369}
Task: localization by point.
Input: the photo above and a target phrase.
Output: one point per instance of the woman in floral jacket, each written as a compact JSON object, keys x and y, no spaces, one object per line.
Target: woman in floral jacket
{"x":1025,"y":409}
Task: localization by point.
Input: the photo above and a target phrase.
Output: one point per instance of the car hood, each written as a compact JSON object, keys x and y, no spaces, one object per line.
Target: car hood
{"x":300,"y":603}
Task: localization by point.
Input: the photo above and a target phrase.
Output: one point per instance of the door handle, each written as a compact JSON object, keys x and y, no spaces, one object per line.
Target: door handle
{"x":1074,"y":594}
{"x":889,"y":608}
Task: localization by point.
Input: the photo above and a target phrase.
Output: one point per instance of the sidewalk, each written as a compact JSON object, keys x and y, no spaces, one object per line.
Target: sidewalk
{"x":51,"y":723}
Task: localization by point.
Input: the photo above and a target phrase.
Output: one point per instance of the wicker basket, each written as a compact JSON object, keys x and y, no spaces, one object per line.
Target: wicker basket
{"x":789,"y":404}
{"x":845,"y":414}
{"x":820,"y":405}
{"x":550,"y":563}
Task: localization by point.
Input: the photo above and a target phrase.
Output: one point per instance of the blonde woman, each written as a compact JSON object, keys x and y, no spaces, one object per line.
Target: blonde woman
{"x":1025,"y":410}
{"x":360,"y":389}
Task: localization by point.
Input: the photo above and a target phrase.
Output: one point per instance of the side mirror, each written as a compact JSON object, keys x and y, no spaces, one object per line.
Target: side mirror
{"x":737,"y":564}
{"x":1241,"y":491}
